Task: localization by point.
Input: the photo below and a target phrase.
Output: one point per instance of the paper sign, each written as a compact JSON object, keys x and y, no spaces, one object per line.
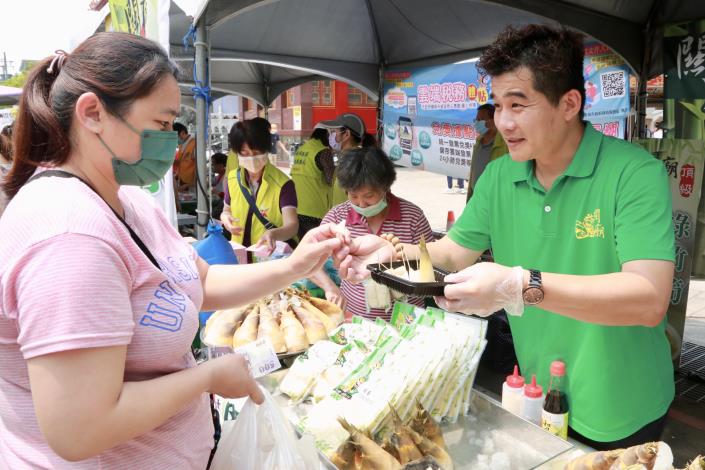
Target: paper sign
{"x":261,"y":357}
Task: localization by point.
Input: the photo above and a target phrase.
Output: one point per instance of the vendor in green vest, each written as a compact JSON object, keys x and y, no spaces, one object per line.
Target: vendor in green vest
{"x":313,"y":175}
{"x":260,"y":200}
{"x":580,"y":227}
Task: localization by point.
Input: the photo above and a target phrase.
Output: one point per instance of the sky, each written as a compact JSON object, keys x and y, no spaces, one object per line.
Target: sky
{"x":34,"y":29}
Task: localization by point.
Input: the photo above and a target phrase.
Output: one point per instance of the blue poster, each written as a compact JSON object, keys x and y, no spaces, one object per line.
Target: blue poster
{"x":606,"y":86}
{"x":429,"y":116}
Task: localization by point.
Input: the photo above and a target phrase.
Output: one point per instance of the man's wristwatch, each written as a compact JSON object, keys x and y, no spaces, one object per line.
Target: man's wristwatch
{"x":533,"y":293}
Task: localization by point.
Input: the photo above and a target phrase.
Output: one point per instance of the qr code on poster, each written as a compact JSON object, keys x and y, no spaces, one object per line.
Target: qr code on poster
{"x":614,"y":84}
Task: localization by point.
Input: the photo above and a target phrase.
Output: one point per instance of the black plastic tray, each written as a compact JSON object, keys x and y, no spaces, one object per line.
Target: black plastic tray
{"x":399,"y":284}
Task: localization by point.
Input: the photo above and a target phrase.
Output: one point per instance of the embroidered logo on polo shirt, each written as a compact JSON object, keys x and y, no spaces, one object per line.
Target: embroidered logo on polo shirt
{"x":590,"y":226}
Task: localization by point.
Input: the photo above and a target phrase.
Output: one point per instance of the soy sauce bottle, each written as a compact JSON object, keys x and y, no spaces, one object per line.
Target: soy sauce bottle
{"x":554,"y":416}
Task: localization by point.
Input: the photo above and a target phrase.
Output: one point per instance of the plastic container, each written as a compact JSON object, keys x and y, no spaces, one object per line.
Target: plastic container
{"x":513,"y":392}
{"x":532,"y":402}
{"x":405,"y":286}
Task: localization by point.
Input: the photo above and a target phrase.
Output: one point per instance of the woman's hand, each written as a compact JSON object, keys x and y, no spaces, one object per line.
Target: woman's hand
{"x":315,"y":248}
{"x":334,"y":295}
{"x":230,"y":223}
{"x":267,"y":240}
{"x":394,"y":240}
{"x":354,"y":258}
{"x":230,"y":377}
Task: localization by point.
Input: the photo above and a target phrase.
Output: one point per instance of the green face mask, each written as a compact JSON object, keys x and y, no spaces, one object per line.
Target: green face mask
{"x":157,"y":151}
{"x":371,"y":211}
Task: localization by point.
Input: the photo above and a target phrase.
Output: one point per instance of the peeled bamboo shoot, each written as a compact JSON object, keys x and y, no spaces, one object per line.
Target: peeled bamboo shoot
{"x":425,"y":265}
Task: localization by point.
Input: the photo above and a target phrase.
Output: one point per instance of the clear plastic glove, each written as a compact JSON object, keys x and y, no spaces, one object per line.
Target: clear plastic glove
{"x":483,"y":289}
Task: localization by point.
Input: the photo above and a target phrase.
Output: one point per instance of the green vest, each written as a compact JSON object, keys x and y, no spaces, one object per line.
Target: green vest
{"x":311,"y":187}
{"x":267,"y":201}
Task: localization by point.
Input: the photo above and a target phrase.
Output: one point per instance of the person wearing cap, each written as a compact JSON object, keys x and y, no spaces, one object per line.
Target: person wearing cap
{"x":489,"y":145}
{"x":313,"y":172}
{"x":347,"y":132}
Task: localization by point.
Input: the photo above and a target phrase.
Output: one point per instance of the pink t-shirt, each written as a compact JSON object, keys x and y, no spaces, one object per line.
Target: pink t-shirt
{"x":71,"y":278}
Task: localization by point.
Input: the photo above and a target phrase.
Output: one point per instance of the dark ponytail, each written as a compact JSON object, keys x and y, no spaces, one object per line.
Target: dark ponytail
{"x":118,"y":67}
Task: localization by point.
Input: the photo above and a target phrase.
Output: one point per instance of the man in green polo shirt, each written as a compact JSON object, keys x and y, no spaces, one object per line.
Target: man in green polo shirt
{"x":580,"y":228}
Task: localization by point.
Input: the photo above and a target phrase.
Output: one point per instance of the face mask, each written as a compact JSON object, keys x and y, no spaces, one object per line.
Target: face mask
{"x":371,"y":211}
{"x":181,"y":141}
{"x":481,"y":127}
{"x":253,"y":164}
{"x":157,"y":150}
{"x":334,"y":144}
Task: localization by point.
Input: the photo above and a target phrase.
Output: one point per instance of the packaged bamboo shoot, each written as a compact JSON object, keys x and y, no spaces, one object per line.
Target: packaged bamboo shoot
{"x":302,"y":375}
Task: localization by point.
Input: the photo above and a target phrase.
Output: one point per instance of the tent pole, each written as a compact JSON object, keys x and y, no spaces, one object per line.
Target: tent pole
{"x":642,"y":95}
{"x":201,"y":46}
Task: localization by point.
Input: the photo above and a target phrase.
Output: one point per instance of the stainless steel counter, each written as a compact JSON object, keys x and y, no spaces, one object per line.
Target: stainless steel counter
{"x":488,"y":438}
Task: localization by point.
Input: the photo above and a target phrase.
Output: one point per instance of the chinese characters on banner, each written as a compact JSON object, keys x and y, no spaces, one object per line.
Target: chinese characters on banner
{"x":606,"y":89}
{"x":684,"y":61}
{"x":149,"y":19}
{"x":429,"y":115}
{"x":684,"y":162}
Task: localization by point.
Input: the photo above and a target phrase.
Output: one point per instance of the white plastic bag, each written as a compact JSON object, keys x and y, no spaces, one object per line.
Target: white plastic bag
{"x":262,"y":439}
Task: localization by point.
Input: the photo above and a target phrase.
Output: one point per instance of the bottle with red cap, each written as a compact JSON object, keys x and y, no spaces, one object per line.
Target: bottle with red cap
{"x":554,"y":417}
{"x":532,"y":403}
{"x":512,"y":392}
{"x":450,"y":220}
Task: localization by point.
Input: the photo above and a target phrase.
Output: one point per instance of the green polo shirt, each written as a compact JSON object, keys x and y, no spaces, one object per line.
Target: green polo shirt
{"x":611,"y":205}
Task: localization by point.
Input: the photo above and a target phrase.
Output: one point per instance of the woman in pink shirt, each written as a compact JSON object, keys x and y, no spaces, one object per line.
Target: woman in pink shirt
{"x":99,"y":295}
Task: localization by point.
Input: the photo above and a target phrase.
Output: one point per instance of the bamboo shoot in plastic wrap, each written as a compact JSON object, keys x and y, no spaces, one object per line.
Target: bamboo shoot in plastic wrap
{"x":302,"y":375}
{"x":268,"y":328}
{"x":221,"y":325}
{"x":248,"y":330}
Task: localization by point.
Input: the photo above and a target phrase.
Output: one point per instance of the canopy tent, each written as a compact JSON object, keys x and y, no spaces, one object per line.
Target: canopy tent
{"x":9,"y":95}
{"x":353,"y":40}
{"x":357,"y":40}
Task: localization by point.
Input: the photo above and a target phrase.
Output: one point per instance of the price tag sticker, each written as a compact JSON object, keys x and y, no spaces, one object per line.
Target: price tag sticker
{"x":261,"y":357}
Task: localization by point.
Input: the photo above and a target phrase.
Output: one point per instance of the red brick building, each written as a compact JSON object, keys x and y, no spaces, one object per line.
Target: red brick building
{"x":296,"y":112}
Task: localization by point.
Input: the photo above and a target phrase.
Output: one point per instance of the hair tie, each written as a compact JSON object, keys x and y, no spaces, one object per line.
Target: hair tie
{"x":58,"y":61}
